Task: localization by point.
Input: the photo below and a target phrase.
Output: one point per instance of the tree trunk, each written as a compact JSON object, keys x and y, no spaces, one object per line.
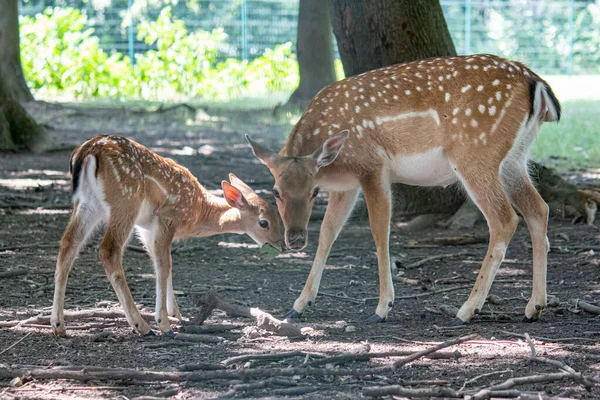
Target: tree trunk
{"x":314,"y":49}
{"x":18,"y":130}
{"x":377,"y":33}
{"x":10,"y":56}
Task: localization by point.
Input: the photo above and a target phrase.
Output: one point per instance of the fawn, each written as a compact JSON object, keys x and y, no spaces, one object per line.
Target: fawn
{"x":123,"y":184}
{"x":428,"y":123}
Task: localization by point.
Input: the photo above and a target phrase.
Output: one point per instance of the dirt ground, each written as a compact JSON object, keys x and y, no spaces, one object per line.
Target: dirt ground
{"x":34,"y":209}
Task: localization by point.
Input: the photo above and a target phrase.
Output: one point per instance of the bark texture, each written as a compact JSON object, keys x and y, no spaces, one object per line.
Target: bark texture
{"x":10,"y":54}
{"x":314,"y":48}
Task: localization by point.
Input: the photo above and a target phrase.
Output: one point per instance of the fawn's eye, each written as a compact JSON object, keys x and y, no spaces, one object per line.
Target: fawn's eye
{"x":276,"y":194}
{"x":315,"y":192}
{"x":263,"y":223}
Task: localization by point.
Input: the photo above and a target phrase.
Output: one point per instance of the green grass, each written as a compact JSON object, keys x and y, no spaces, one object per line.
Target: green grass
{"x":574,"y":142}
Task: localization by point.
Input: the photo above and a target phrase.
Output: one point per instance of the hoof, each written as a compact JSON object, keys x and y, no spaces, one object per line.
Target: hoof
{"x":458,"y":322}
{"x":374,"y":319}
{"x":530,"y":320}
{"x":292,"y":314}
{"x":170,"y":334}
{"x":150,"y":333}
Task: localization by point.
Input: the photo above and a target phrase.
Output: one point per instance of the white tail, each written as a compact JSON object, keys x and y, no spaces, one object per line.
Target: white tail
{"x":429,"y":123}
{"x":125,"y":185}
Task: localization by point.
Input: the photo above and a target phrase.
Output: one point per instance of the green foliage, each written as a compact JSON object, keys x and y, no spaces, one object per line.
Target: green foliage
{"x":61,"y":57}
{"x":179,"y":65}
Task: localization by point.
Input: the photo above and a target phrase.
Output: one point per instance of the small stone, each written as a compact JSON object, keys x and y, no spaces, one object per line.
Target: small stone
{"x":350,"y":328}
{"x":340,"y":324}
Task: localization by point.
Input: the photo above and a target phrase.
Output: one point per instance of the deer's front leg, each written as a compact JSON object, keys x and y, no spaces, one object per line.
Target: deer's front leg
{"x":163,"y":266}
{"x":379,"y":204}
{"x":339,"y":208}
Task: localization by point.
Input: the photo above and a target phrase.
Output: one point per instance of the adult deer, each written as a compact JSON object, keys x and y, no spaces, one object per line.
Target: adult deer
{"x":428,"y":123}
{"x":125,"y":185}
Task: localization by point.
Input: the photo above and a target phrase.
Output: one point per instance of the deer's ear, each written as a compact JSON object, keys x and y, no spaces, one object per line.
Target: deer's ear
{"x":327,"y":153}
{"x":234,"y":197}
{"x":265,"y":155}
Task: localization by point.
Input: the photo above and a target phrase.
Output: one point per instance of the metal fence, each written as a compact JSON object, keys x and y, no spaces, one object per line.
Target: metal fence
{"x":552,"y":36}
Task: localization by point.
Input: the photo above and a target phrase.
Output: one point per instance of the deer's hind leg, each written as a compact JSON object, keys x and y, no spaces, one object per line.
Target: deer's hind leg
{"x":534,"y":209}
{"x":82,"y":223}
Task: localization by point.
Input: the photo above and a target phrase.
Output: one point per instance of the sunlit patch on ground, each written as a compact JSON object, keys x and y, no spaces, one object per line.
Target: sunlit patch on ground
{"x":230,"y":245}
{"x":20,"y":184}
{"x":43,"y":211}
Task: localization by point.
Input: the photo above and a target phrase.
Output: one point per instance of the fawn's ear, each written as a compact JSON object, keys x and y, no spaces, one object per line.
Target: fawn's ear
{"x":265,"y":155}
{"x":327,"y":153}
{"x":234,"y":197}
{"x":241,"y":185}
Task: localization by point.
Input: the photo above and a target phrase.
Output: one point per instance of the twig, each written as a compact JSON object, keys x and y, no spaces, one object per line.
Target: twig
{"x":585,"y":306}
{"x":170,"y":343}
{"x":478,"y":377}
{"x":208,"y":328}
{"x":524,"y":380}
{"x":547,"y":339}
{"x":201,"y":367}
{"x":425,"y":294}
{"x":264,"y":320}
{"x":426,"y":260}
{"x":380,"y":391}
{"x":433,"y":349}
{"x":246,"y":387}
{"x":68,"y":388}
{"x":191,"y":337}
{"x":268,"y":356}
{"x":348,"y":357}
{"x":531,"y":346}
{"x":31,"y":245}
{"x":15,"y":343}
{"x":12,"y":274}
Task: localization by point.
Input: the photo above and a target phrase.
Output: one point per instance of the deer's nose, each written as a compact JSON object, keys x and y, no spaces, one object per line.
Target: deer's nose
{"x":296,"y":239}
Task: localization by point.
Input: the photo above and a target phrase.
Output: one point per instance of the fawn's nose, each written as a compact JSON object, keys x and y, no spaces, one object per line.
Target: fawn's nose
{"x":296,"y":239}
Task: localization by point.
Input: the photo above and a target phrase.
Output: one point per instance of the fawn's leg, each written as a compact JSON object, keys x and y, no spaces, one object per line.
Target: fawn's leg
{"x":339,"y":208}
{"x":162,"y":266}
{"x":172,"y":307}
{"x":378,"y":197}
{"x":82,"y":223}
{"x":117,"y":233}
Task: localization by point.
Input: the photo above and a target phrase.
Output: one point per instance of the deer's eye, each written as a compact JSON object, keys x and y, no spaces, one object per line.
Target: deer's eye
{"x":315,"y":193}
{"x":276,"y":194}
{"x":263,"y":223}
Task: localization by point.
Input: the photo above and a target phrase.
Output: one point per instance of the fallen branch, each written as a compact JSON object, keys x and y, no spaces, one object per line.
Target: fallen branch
{"x":247,"y":387}
{"x":192,"y":337}
{"x":98,"y":373}
{"x":348,"y":357}
{"x":266,"y":357}
{"x":380,"y":391}
{"x":264,"y":320}
{"x":585,"y":306}
{"x":201,"y":367}
{"x":478,"y":377}
{"x":75,"y":315}
{"x":547,"y":339}
{"x":424,"y":294}
{"x":12,"y":274}
{"x":524,"y":380}
{"x":208,"y":328}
